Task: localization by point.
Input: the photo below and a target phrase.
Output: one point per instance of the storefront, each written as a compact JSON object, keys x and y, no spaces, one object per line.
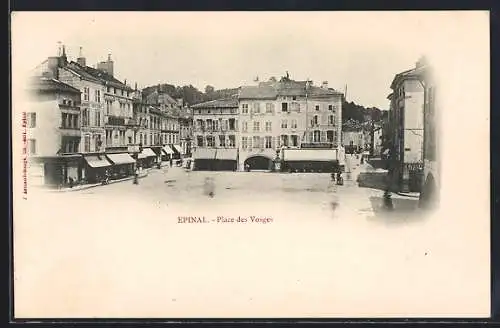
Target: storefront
{"x":226,"y":159}
{"x":204,"y":159}
{"x":60,"y":170}
{"x":95,"y":167}
{"x":168,"y":153}
{"x":177,"y":151}
{"x":146,"y":158}
{"x":310,"y":160}
{"x":123,"y":165}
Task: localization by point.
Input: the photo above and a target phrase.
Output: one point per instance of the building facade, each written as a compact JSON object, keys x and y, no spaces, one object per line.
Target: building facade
{"x":215,"y":134}
{"x":407,"y":127}
{"x":286,"y":114}
{"x":53,"y":132}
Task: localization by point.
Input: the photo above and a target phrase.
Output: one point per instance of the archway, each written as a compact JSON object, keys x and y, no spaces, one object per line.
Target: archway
{"x":429,"y":193}
{"x":259,"y":162}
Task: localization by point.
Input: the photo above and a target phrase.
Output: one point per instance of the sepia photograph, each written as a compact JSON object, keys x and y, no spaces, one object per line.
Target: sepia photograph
{"x":250,"y":164}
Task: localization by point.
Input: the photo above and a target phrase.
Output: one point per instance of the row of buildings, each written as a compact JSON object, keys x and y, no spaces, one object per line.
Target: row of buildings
{"x":250,"y":129}
{"x":84,"y":123}
{"x":413,"y":132}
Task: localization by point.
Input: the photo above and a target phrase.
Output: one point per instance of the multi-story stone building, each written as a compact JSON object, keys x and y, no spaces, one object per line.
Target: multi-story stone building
{"x":215,"y":134}
{"x":53,"y":132}
{"x":407,"y":127}
{"x":186,"y":130}
{"x":287,"y":113}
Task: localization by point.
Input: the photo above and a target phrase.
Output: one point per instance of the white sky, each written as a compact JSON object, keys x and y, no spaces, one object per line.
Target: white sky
{"x":227,"y":49}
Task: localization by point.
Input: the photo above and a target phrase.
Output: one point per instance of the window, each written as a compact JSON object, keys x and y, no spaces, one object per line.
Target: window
{"x":64,"y":101}
{"x":98,"y":95}
{"x":269,"y":107}
{"x":31,"y":147}
{"x":97,"y":118}
{"x":86,"y":144}
{"x":108,"y":106}
{"x":244,"y":142}
{"x":284,"y":107}
{"x":31,"y":118}
{"x":315,"y":120}
{"x":210,"y":125}
{"x":269,"y":126}
{"x":329,"y":136}
{"x":256,"y":108}
{"x":294,"y":124}
{"x":284,"y":140}
{"x":295,"y":140}
{"x":85,"y":117}
{"x":232,"y":124}
{"x":295,"y":107}
{"x":269,"y":142}
{"x":331,"y":120}
{"x":108,"y":89}
{"x":232,"y":140}
{"x":86,"y":93}
{"x":294,"y":98}
{"x":129,"y":140}
{"x":330,"y":107}
{"x":210,"y":141}
{"x":244,"y":108}
{"x":256,"y":142}
{"x":215,"y":124}
{"x":244,"y":126}
{"x":222,"y":141}
{"x":316,"y":136}
{"x":317,"y":107}
{"x":256,"y":126}
{"x":284,"y":124}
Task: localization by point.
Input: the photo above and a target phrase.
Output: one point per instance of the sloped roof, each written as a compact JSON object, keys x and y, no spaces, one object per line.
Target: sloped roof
{"x":218,"y":103}
{"x":50,"y":84}
{"x":413,"y":73}
{"x":270,"y":90}
{"x":99,"y":75}
{"x":258,"y":92}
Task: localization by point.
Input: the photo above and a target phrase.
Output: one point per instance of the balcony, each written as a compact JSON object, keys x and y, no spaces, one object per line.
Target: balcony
{"x":70,"y":131}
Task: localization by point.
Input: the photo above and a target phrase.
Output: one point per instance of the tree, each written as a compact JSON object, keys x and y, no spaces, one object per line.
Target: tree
{"x":209,"y":89}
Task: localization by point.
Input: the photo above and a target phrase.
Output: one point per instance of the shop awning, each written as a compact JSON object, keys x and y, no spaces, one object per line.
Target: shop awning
{"x":97,"y":161}
{"x":122,"y":158}
{"x":148,"y":152}
{"x":204,"y":153}
{"x":177,"y":148}
{"x":313,"y":155}
{"x":167,"y":150}
{"x":141,"y":156}
{"x":227,"y":154}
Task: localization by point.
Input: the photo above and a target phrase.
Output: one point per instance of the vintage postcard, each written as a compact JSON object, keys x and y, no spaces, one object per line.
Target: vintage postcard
{"x":251,"y":164}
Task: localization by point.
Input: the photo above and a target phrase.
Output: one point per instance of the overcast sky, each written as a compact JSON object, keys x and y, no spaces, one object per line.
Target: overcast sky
{"x":229,"y":49}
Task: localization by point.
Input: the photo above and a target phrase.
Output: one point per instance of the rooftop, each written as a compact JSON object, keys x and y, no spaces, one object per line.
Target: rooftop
{"x":218,"y":103}
{"x":271,"y":90}
{"x":50,"y":84}
{"x":94,"y":73}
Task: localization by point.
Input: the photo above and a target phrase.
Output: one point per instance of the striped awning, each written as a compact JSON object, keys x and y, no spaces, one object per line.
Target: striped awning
{"x":313,"y":155}
{"x":177,"y":148}
{"x":148,"y":152}
{"x":204,"y":153}
{"x":121,"y":158}
{"x":167,"y":150}
{"x":97,"y":161}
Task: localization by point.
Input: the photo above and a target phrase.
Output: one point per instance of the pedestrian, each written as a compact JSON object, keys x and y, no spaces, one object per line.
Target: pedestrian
{"x":136,"y":176}
{"x":171,"y":161}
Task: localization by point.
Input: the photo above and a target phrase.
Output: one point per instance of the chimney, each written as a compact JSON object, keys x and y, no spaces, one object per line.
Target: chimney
{"x":81,"y":60}
{"x":53,"y":67}
{"x":324,"y":85}
{"x":106,"y":66}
